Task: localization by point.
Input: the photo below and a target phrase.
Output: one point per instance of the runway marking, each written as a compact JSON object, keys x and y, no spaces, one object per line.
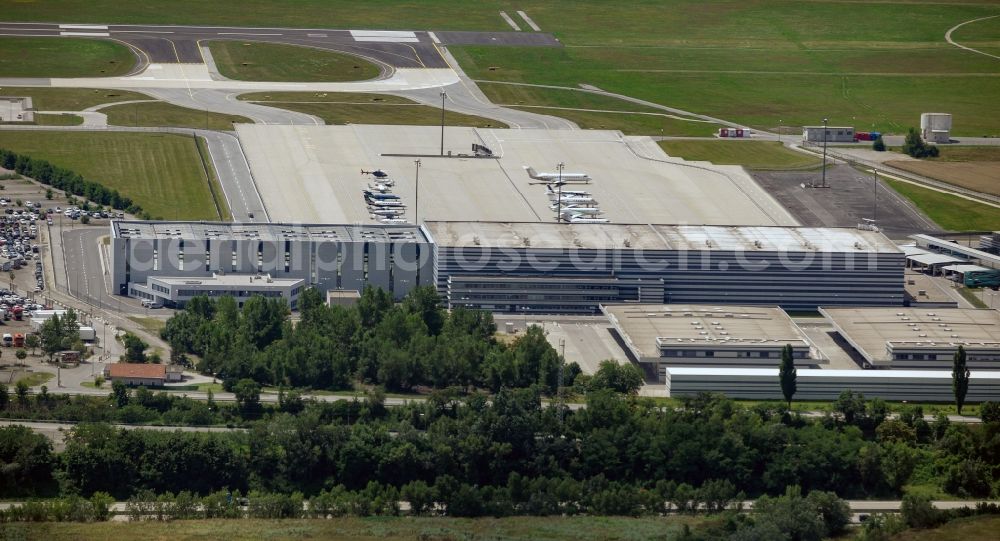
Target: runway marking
{"x":246,"y":34}
{"x":88,"y":34}
{"x":84,"y":26}
{"x":143,"y":32}
{"x":529,"y":21}
{"x":434,"y":37}
{"x":387,"y":40}
{"x":504,"y":16}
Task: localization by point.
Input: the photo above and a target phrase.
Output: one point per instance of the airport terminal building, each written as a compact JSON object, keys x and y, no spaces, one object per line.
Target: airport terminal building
{"x":176,"y":260}
{"x":525,"y":267}
{"x":536,"y":267}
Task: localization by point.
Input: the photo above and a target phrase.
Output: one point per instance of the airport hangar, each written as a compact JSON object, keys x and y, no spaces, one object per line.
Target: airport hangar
{"x":543,"y":268}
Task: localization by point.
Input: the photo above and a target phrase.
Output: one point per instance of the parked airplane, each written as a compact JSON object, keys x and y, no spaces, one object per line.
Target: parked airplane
{"x":386,"y":204}
{"x":553,"y":177}
{"x":581,"y":220}
{"x":394,"y":221}
{"x":387,"y":212}
{"x":574,"y":199}
{"x":370,"y":195}
{"x":580,"y":211}
{"x":550,"y":191}
{"x":379,"y":187}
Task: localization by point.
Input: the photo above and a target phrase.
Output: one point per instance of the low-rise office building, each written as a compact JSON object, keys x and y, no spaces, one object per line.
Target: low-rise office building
{"x":396,"y":258}
{"x":919,"y":338}
{"x":695,"y":335}
{"x":175,"y":292}
{"x":833,"y":134}
{"x":823,"y":384}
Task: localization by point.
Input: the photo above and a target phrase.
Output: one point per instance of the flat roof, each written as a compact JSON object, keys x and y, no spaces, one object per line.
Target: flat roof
{"x":965,"y":268}
{"x":935,"y":244}
{"x":313,"y":173}
{"x":646,"y":326}
{"x":933,"y":259}
{"x":135,"y":229}
{"x":869,"y":330}
{"x":818,"y":372}
{"x":659,"y":237}
{"x":228,"y":279}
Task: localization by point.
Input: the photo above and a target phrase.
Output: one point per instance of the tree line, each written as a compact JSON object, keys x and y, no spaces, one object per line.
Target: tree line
{"x":416,"y":343}
{"x":68,"y":181}
{"x":708,"y":449}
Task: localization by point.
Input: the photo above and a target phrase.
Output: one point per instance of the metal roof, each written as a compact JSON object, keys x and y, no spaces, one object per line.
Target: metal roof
{"x":823,"y":373}
{"x":965,"y":268}
{"x":154,"y":230}
{"x":658,"y":237}
{"x":934,"y":259}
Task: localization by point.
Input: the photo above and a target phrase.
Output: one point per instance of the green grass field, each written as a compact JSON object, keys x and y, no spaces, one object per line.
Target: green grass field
{"x":214,"y":184}
{"x":166,"y":114}
{"x":62,"y":119}
{"x":766,"y":155}
{"x":161,"y":172}
{"x":950,"y":212}
{"x":983,"y":528}
{"x":70,"y":99}
{"x":968,"y":154}
{"x":63,"y":57}
{"x":35,"y":379}
{"x":368,"y":529}
{"x":876,"y":65}
{"x":361,"y":108}
{"x":274,"y":62}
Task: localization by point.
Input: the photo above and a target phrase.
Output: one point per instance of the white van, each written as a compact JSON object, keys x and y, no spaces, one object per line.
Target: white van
{"x":8,"y":340}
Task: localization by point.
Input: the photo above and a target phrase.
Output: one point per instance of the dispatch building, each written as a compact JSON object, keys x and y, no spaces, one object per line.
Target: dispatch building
{"x":172,"y":260}
{"x":920,"y":338}
{"x":574,"y":268}
{"x":699,"y":335}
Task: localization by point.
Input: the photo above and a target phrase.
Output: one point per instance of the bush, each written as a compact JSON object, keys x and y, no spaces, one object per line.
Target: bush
{"x":989,"y":412}
{"x":916,"y":147}
{"x":878,"y":145}
{"x":919,"y":512}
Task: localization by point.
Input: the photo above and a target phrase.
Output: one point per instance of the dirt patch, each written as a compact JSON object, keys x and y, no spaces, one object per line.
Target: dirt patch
{"x":979,"y":176}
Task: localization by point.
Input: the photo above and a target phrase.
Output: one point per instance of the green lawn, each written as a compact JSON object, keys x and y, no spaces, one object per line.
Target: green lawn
{"x":63,"y":57}
{"x":35,"y":379}
{"x":982,"y":528}
{"x":594,"y":111}
{"x":247,"y":61}
{"x":948,"y":211}
{"x":70,"y":99}
{"x":162,"y":114}
{"x":767,"y":155}
{"x":876,"y":65}
{"x":361,"y":108}
{"x":161,"y":172}
{"x":62,"y":119}
{"x":371,"y":529}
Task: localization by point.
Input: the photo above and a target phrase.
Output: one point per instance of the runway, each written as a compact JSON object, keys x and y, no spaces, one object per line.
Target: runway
{"x":157,"y":44}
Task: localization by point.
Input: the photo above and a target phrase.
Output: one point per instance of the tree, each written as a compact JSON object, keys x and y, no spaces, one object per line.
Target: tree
{"x":21,"y":389}
{"x":119,"y":393}
{"x":4,"y":397}
{"x":247,"y":393}
{"x":919,"y":512}
{"x":990,"y":412}
{"x":787,"y":374}
{"x":21,"y":354}
{"x":135,"y":348}
{"x":32,"y":341}
{"x":916,"y":147}
{"x":51,"y":334}
{"x":622,"y":378}
{"x":48,"y":193}
{"x":960,"y":378}
{"x":878,"y":145}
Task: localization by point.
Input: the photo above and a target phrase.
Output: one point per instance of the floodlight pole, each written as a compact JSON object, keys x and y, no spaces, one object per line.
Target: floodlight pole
{"x":779,"y":130}
{"x":824,"y":153}
{"x":559,"y":194}
{"x":875,"y":204}
{"x":443,"y":96}
{"x":416,"y":199}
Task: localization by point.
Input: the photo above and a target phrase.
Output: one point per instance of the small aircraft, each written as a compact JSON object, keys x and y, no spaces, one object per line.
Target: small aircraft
{"x":564,"y":193}
{"x":370,"y":195}
{"x":573,"y":199}
{"x":387,"y":212}
{"x":580,"y":211}
{"x":380,"y":188}
{"x":555,"y":177}
{"x":387,"y":205}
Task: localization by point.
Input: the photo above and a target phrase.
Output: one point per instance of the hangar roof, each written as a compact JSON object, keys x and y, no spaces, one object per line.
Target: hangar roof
{"x":658,"y":237}
{"x":265,"y":231}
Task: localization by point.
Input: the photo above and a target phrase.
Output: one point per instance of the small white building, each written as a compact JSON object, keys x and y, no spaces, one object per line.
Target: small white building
{"x":935,"y":127}
{"x":834,"y":134}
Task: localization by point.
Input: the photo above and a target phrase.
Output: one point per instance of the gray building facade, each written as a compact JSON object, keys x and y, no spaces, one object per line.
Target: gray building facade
{"x":396,"y":258}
